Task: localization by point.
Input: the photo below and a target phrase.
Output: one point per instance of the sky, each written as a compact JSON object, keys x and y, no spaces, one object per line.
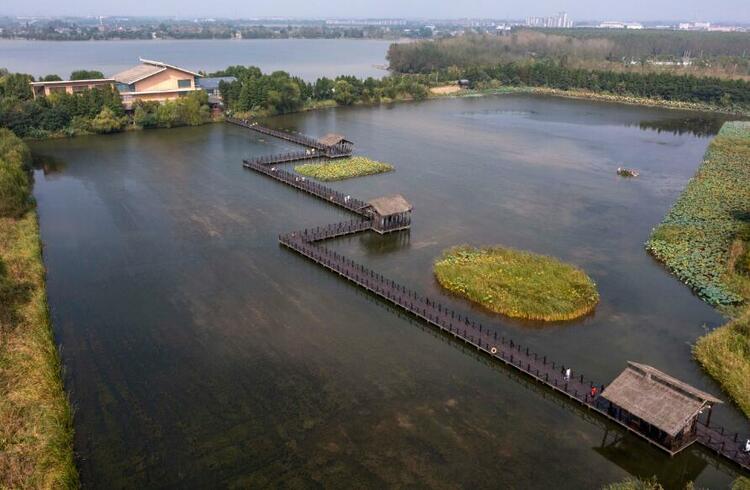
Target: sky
{"x":713,"y":10}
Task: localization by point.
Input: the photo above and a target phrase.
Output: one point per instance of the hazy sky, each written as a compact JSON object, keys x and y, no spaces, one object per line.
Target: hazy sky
{"x":713,"y":10}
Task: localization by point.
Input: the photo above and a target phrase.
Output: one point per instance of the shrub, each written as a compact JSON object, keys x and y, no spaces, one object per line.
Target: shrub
{"x":15,"y":167}
{"x":106,"y":122}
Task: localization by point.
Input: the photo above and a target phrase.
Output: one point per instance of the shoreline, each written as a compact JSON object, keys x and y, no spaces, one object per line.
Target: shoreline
{"x":35,"y":410}
{"x":574,"y":94}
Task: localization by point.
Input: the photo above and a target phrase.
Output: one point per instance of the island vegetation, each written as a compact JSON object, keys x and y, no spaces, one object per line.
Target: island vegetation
{"x":516,"y":283}
{"x":705,"y":241}
{"x":344,"y":168}
{"x":36,"y":431}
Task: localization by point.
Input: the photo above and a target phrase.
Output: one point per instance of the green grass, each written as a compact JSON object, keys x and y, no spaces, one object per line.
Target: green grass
{"x":36,"y":429}
{"x":516,"y":283}
{"x":705,"y":241}
{"x":344,"y":168}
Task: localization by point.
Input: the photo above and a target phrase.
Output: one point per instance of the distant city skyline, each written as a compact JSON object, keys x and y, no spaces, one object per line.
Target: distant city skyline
{"x":733,"y":11}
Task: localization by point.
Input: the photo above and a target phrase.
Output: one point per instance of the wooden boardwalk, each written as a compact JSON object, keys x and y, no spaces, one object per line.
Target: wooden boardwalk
{"x":310,"y":186}
{"x":296,"y":138}
{"x":483,"y":338}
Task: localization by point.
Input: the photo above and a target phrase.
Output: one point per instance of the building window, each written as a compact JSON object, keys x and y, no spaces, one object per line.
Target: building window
{"x":79,"y":88}
{"x":184,"y":83}
{"x":124,"y":87}
{"x":57,"y":90}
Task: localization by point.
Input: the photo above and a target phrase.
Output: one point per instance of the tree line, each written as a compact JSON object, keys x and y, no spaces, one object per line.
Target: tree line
{"x":718,"y":54}
{"x":279,"y":92}
{"x":729,"y":94}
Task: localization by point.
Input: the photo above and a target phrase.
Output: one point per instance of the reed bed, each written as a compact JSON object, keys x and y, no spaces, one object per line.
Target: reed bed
{"x":516,"y":283}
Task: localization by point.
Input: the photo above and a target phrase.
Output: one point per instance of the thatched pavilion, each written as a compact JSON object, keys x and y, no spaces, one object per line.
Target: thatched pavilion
{"x":337,"y":141}
{"x":389,"y":213}
{"x":658,"y":406}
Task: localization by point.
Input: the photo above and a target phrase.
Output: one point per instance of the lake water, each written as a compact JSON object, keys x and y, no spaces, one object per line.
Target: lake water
{"x":200,"y":353}
{"x":307,"y":58}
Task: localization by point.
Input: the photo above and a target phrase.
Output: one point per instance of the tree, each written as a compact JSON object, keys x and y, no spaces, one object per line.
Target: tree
{"x":343,"y":93}
{"x":52,"y":78}
{"x":86,"y":75}
{"x":323,"y":89}
{"x":106,"y":122}
{"x":16,"y":85}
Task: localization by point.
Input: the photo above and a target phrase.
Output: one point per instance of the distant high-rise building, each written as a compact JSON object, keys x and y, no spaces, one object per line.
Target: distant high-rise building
{"x":561,"y":20}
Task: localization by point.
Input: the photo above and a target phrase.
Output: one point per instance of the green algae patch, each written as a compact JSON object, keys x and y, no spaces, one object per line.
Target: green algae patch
{"x":345,"y":168}
{"x":516,"y":283}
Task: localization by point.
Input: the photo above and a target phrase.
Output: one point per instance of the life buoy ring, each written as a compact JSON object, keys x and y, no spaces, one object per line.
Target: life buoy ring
{"x":494,"y":350}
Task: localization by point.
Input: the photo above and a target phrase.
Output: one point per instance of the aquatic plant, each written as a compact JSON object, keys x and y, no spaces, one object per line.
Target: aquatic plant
{"x":516,"y":283}
{"x":343,"y":168}
{"x":695,"y":238}
{"x":704,"y":240}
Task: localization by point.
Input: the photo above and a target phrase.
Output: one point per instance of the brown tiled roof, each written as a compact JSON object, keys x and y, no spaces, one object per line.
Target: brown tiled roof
{"x":656,"y":397}
{"x":388,"y":205}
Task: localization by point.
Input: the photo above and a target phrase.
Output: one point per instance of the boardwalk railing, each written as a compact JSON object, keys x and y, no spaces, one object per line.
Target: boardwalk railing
{"x":486,"y":339}
{"x":297,"y":138}
{"x":311,"y":187}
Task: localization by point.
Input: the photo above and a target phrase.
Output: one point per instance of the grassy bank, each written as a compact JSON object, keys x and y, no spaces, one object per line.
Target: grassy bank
{"x":36,"y":433}
{"x":516,"y":283}
{"x":341,"y":169}
{"x":705,"y":241}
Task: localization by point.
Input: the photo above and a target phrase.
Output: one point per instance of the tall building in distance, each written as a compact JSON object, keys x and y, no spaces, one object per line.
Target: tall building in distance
{"x":561,"y":20}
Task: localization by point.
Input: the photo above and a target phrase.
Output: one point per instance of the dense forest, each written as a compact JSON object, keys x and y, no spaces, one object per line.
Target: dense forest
{"x":726,"y":55}
{"x":728,"y":94}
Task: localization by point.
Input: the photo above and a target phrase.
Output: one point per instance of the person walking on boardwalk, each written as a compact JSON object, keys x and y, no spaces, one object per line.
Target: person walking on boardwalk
{"x":593,"y":392}
{"x":747,"y":446}
{"x":567,"y":374}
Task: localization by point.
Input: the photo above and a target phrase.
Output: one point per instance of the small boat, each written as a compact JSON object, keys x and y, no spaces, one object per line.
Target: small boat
{"x":627,"y":172}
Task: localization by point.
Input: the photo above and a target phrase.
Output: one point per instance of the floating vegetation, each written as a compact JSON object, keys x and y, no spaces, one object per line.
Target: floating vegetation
{"x":341,"y":169}
{"x":695,"y":238}
{"x":516,"y":283}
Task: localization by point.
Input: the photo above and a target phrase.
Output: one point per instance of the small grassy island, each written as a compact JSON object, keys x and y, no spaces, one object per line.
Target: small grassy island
{"x":516,"y":283}
{"x":705,"y":241}
{"x":345,"y":168}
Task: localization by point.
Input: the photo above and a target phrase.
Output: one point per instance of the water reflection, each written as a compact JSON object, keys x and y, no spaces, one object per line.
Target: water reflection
{"x":48,"y":164}
{"x":698,"y":126}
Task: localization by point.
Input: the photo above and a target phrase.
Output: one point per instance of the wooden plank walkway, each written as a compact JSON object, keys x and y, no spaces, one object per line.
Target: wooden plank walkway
{"x":485,"y":339}
{"x":296,"y":138}
{"x":310,"y":186}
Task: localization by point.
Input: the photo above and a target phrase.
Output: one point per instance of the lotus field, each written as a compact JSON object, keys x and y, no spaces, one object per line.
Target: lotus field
{"x":695,"y":238}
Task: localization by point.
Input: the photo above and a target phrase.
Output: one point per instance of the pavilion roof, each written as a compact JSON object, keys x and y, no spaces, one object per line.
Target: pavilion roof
{"x":332,"y":139}
{"x":388,"y":205}
{"x":656,"y":397}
